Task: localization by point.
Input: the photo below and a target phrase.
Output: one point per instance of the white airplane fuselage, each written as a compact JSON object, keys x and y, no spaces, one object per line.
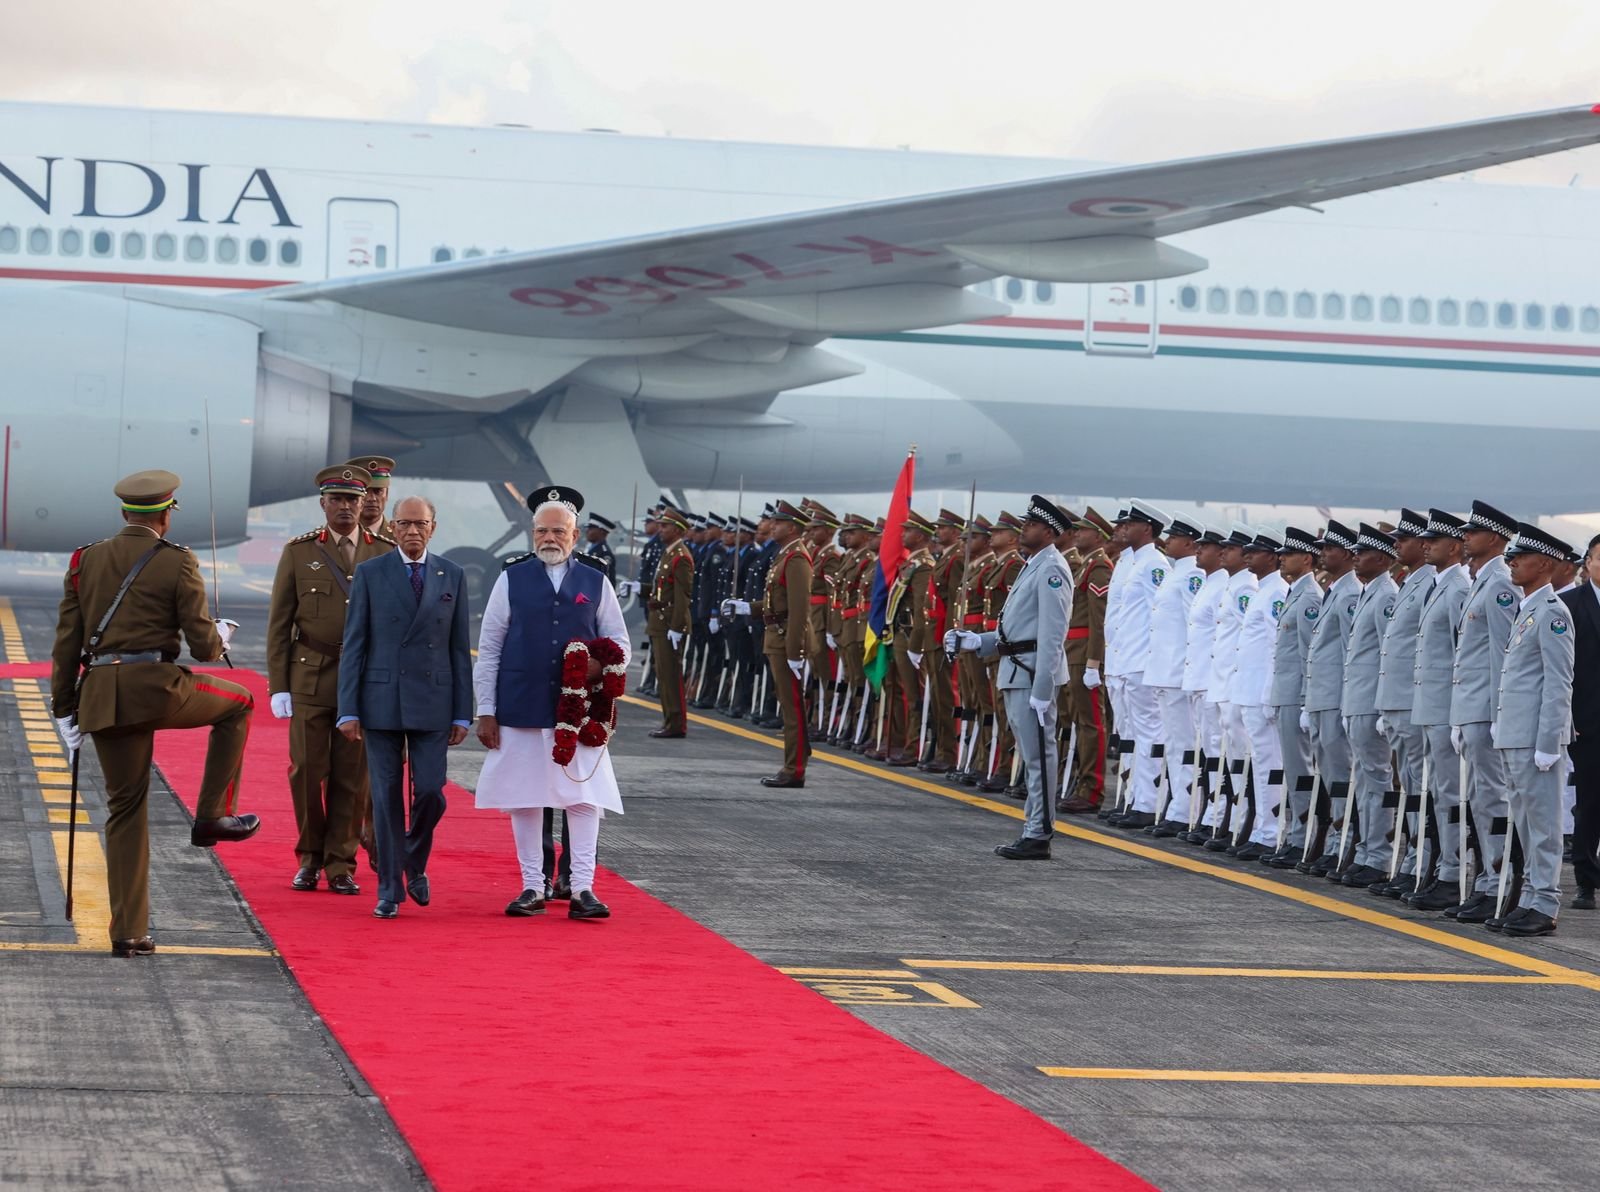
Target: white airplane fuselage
{"x":1319,"y":360}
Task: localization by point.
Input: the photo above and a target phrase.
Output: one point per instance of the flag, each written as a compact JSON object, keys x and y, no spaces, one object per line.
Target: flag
{"x":891,"y":551}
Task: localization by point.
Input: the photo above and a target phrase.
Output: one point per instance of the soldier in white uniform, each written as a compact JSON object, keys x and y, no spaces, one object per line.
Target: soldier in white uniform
{"x":1397,"y":657}
{"x":1433,"y":684}
{"x":1164,"y":673}
{"x":1371,"y":774}
{"x":1228,"y":748}
{"x":1139,"y":717}
{"x":1247,"y":697}
{"x":1200,"y":636}
{"x":1324,"y":689}
{"x":1533,"y":725}
{"x":1114,"y":684}
{"x":1302,"y":604}
{"x":1481,"y":636}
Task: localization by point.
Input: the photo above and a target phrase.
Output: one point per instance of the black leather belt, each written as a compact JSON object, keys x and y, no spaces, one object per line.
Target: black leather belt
{"x":1011,"y":649}
{"x":326,"y":649}
{"x":130,"y":659}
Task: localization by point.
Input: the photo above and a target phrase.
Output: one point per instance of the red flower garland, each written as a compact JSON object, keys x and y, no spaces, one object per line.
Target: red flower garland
{"x":587,"y":714}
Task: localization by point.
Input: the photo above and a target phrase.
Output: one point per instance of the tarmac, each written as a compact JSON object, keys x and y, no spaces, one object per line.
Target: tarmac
{"x":1203,"y":1023}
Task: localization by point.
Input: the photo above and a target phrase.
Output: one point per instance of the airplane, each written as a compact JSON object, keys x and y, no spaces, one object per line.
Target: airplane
{"x":244,"y":298}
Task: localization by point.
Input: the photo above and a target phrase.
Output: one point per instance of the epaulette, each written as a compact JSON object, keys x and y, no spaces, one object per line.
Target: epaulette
{"x":378,"y":536}
{"x":173,"y":545}
{"x":588,"y":560}
{"x":306,"y":537}
{"x":513,"y":560}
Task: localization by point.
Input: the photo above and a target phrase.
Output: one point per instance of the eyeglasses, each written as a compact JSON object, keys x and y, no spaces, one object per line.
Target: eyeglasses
{"x":412,"y":525}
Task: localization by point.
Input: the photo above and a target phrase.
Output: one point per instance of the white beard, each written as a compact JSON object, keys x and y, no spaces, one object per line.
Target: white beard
{"x":552,"y":556}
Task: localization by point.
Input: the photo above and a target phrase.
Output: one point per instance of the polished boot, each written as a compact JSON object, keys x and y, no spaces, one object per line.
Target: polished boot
{"x":305,"y":878}
{"x":143,"y":946}
{"x":783,"y":780}
{"x":206,"y":833}
{"x":1583,"y":900}
{"x":1530,"y":922}
{"x":1025,"y":848}
{"x":1478,"y":908}
{"x":343,"y":884}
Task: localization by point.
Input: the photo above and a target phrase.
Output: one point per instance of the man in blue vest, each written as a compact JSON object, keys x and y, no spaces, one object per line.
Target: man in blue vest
{"x":538,"y":606}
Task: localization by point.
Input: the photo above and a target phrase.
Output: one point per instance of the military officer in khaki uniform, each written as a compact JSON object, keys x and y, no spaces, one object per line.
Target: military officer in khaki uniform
{"x":976,"y":716}
{"x":671,"y":617}
{"x":825,"y":556}
{"x":375,"y":501}
{"x":785,"y":610}
{"x":905,"y":624}
{"x":1086,"y":649}
{"x":866,"y":577}
{"x":1007,"y":565}
{"x":938,"y":613}
{"x":115,"y":676}
{"x":844,"y":620}
{"x":305,"y":636}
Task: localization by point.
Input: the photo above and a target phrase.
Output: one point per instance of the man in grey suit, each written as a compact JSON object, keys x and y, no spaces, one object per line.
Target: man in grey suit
{"x":1301,"y":608}
{"x":1533,"y":724}
{"x":1433,"y":683}
{"x":405,"y":687}
{"x":1325,"y":688}
{"x":1369,"y":749}
{"x":1481,"y":635}
{"x":1031,"y":641}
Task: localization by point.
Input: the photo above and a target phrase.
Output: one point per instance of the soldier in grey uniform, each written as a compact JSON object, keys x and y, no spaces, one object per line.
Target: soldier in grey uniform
{"x":1433,"y":684}
{"x":1397,"y":659}
{"x":1302,"y":605}
{"x":1481,"y":636}
{"x":1031,"y":641}
{"x":1369,"y":749}
{"x":1533,"y":725}
{"x":1325,"y":688}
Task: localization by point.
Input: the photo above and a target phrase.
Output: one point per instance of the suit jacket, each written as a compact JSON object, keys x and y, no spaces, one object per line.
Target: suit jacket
{"x":1329,"y":640}
{"x":1433,"y":672}
{"x":1038,"y":608}
{"x":1301,"y":608}
{"x":1397,"y":657}
{"x":1361,"y":657}
{"x":1533,"y":708}
{"x":1585,"y":611}
{"x":1481,"y":636}
{"x":407,"y":664}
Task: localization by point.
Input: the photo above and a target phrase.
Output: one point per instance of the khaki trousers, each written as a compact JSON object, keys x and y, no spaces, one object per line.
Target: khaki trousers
{"x":331,"y":790}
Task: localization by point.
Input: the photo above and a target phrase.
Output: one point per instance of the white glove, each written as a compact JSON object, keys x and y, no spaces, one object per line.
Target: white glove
{"x":961,"y":639}
{"x":731,"y":608}
{"x":715,"y":625}
{"x":1545,"y":760}
{"x":1305,"y":721}
{"x":1455,"y":738}
{"x":1383,"y":727}
{"x":282,"y":705}
{"x":675,"y":638}
{"x":1042,"y":709}
{"x":1091,"y":677}
{"x":798,"y":667}
{"x":70,"y":733}
{"x":916,"y":659}
{"x":828,"y":637}
{"x":225,"y":627}
{"x":627,"y":587}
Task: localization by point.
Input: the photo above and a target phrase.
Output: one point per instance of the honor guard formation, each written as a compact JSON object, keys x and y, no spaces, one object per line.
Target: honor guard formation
{"x":1386,"y":706}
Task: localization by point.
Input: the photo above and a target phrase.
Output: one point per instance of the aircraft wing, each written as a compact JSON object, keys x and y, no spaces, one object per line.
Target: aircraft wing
{"x":902,"y":262}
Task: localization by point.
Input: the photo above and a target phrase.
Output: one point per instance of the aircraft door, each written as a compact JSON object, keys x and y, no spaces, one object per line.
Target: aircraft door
{"x":1122,"y":319}
{"x":363,"y":236}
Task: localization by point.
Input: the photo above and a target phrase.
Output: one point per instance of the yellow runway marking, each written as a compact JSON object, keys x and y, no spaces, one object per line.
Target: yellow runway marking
{"x":1375,"y":918}
{"x":840,"y":972}
{"x":91,"y":900}
{"x":161,"y":949}
{"x":65,"y":813}
{"x":11,"y":633}
{"x":1177,"y":970}
{"x":1390,"y":1079}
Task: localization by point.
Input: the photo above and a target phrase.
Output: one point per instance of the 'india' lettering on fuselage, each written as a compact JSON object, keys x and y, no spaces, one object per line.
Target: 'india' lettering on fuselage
{"x":108,"y":182}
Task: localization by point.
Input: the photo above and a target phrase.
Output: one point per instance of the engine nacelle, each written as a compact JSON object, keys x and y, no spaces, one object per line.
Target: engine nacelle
{"x":300,"y":427}
{"x":97,"y":386}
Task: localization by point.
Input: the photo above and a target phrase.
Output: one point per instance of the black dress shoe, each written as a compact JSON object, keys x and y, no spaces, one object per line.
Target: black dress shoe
{"x":935,"y":767}
{"x":1501,"y":922}
{"x":561,"y":891}
{"x":1324,"y":865}
{"x":1166,"y":829}
{"x":1135,"y":820}
{"x":1397,"y":888}
{"x":992,"y":786}
{"x":1017,"y":791}
{"x":417,"y":888}
{"x":143,"y":946}
{"x":525,"y":905}
{"x":1218,"y":844}
{"x":783,"y":780}
{"x":1440,"y":896}
{"x":1478,"y":908}
{"x":1025,"y":848}
{"x":1583,"y":900}
{"x":968,"y":778}
{"x":666,"y":734}
{"x":385,"y":909}
{"x":343,"y":884}
{"x":1284,"y":858}
{"x":1198,"y":836}
{"x":1361,"y":875}
{"x":585,"y":905}
{"x":305,"y":878}
{"x":206,"y":833}
{"x":1377,"y":887}
{"x":1530,"y":922}
{"x":1253,"y":852}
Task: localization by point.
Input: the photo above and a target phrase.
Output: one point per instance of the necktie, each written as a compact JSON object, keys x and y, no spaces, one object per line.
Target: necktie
{"x":416,"y":579}
{"x":347,"y":555}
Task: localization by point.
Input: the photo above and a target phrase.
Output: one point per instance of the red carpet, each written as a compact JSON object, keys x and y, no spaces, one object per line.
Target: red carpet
{"x":641,"y":1053}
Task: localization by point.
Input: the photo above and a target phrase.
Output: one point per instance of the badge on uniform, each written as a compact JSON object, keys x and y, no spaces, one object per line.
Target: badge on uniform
{"x":1351,"y":610}
{"x":1505,"y":599}
{"x":1054,"y":581}
{"x":1244,"y":601}
{"x":1311,"y":613}
{"x":1558,"y":625}
{"x":1388,"y":612}
{"x":314,"y":565}
{"x":1196,"y":582}
{"x":1277,"y":609}
{"x":1157,"y":574}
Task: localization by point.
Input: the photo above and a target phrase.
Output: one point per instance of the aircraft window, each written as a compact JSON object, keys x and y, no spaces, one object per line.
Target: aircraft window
{"x":1588,"y":321}
{"x":227,"y":249}
{"x":38,"y":240}
{"x":258,"y":251}
{"x":288,"y":252}
{"x":1419,"y":311}
{"x":1188,"y":298}
{"x":133,"y":245}
{"x":1248,"y":303}
{"x":195,"y":248}
{"x":1361,"y":308}
{"x":1277,"y":303}
{"x":9,"y":239}
{"x":1217,"y":300}
{"x":100,"y":244}
{"x":164,"y":246}
{"x":1043,"y":292}
{"x":1389,"y":309}
{"x":1505,"y":314}
{"x":1477,"y":314}
{"x":70,"y":243}
{"x":1449,"y":312}
{"x":1533,"y":316}
{"x":1333,"y":306}
{"x":1014,"y":288}
{"x":1138,"y":295}
{"x":1561,"y":318}
{"x":1305,"y":305}
{"x":441,"y":255}
{"x":475,"y":251}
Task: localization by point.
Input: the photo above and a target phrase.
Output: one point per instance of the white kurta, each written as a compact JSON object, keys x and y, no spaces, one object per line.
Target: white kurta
{"x":521,"y":772}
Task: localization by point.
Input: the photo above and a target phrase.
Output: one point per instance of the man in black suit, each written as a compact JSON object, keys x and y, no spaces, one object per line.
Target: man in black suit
{"x":1584,"y":602}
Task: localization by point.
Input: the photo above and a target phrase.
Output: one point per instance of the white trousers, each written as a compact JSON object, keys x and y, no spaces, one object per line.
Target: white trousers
{"x":1143,"y":723}
{"x":1266,"y":765}
{"x":1210,"y":717}
{"x":583,"y":837}
{"x":1178,"y":712}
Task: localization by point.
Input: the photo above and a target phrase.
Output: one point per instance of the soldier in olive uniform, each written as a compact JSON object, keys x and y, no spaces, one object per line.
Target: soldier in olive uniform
{"x":844,"y":619}
{"x":785,"y":610}
{"x":995,"y":765}
{"x":114,"y":676}
{"x":305,"y":636}
{"x":975,"y":713}
{"x":904,"y":626}
{"x":825,"y":555}
{"x":375,"y":501}
{"x":866,"y":579}
{"x":1086,"y":649}
{"x":943,"y":594}
{"x":670,"y":620}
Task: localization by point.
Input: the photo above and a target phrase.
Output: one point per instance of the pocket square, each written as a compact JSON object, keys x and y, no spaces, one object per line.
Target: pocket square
{"x":581,"y":599}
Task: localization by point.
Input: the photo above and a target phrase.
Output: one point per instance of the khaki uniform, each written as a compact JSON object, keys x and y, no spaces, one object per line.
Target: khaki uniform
{"x":788,"y":620}
{"x":853,"y":600}
{"x":122,"y":706}
{"x":997,"y":586}
{"x":904,"y":626}
{"x":971,"y":672}
{"x":824,"y":573}
{"x":671,"y":607}
{"x":305,"y":634}
{"x":1085,"y":708}
{"x":943,"y":597}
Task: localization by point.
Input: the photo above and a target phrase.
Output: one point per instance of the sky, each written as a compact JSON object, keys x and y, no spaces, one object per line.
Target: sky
{"x":1125,"y":82}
